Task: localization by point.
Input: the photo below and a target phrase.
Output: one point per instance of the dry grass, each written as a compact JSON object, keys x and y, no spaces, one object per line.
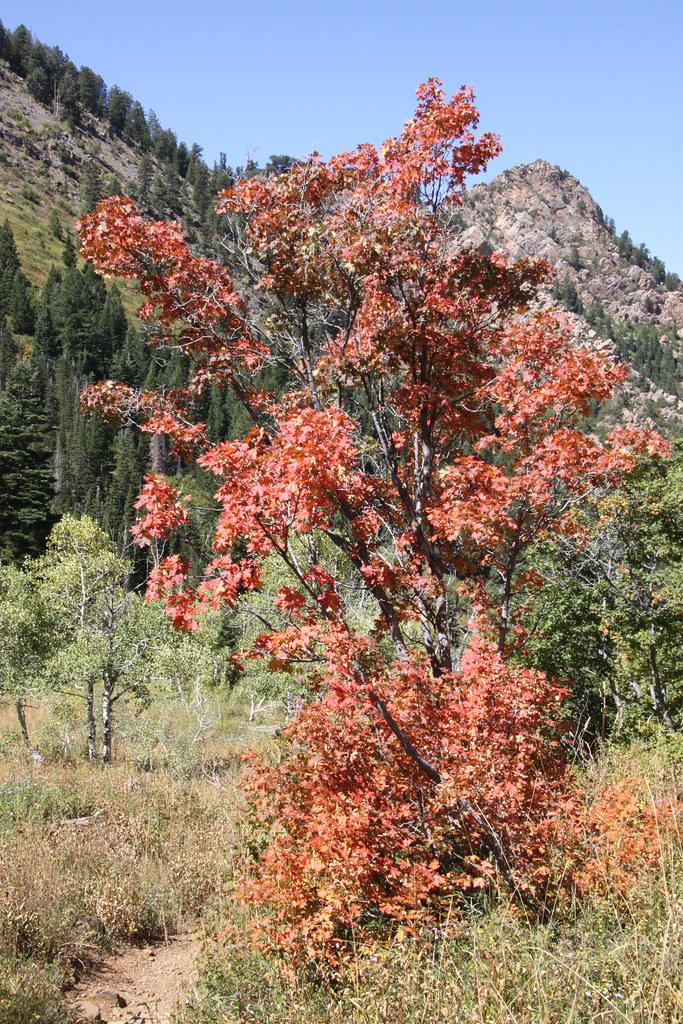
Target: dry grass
{"x":158,"y":851}
{"x":150,"y":856}
{"x":37,"y":246}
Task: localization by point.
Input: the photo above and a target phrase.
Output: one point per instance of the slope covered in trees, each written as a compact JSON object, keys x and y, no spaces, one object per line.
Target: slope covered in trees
{"x":68,"y":140}
{"x":623,"y":298}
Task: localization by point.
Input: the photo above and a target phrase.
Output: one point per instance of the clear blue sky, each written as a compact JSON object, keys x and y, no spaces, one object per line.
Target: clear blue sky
{"x":595,"y":86}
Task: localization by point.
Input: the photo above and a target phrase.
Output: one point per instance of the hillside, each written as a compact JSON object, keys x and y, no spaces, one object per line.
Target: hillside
{"x":43,"y":164}
{"x":623,"y":299}
{"x":61,"y":326}
{"x":341,"y":667}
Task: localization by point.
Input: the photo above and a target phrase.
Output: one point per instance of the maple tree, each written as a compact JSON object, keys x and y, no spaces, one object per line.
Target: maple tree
{"x":430,"y":433}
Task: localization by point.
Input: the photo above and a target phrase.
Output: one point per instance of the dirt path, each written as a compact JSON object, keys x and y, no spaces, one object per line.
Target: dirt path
{"x":137,"y":985}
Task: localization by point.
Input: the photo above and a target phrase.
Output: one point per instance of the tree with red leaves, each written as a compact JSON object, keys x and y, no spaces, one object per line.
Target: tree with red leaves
{"x":430,"y":433}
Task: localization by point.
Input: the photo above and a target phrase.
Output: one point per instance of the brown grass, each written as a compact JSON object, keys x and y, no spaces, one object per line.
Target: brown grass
{"x":152,"y":854}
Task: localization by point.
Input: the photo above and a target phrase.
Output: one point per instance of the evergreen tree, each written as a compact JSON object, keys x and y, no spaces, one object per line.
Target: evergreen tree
{"x":26,"y":478}
{"x":143,"y":182}
{"x":130,"y":360}
{"x":38,"y":83}
{"x":5,"y":43}
{"x":16,"y":293}
{"x":182,"y":160}
{"x":56,"y":228}
{"x":20,"y":304}
{"x":166,"y":193}
{"x":68,"y":96}
{"x":118,"y":106}
{"x":69,"y":252}
{"x":9,"y":257}
{"x":202,"y":195}
{"x":9,"y":354}
{"x":92,"y":189}
{"x":92,"y":91}
{"x":278,"y":164}
{"x":20,"y":50}
{"x":136,"y":130}
{"x":165,"y":145}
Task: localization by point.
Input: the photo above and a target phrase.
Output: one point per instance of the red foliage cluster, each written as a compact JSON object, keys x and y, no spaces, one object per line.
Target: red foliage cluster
{"x":430,"y":434}
{"x":164,"y":511}
{"x":355,"y":833}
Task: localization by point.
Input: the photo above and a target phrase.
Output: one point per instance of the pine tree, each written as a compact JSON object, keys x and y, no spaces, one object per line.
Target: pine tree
{"x":143,"y":183}
{"x":9,"y":257}
{"x":92,"y":91}
{"x":26,"y":477}
{"x":21,"y":304}
{"x":69,"y":253}
{"x":136,"y":130}
{"x":9,"y":354}
{"x":118,"y":107}
{"x":92,"y":189}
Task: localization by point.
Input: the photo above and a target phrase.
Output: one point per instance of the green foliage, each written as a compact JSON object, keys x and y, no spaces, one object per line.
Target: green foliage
{"x":108,"y":634}
{"x":26,"y":636}
{"x":29,"y":802}
{"x":26,"y":478}
{"x":31,"y":993}
{"x":92,"y":189}
{"x":610,"y":612}
{"x":639,"y":256}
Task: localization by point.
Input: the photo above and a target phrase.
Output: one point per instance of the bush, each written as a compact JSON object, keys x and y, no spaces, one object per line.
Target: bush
{"x":617,"y":957}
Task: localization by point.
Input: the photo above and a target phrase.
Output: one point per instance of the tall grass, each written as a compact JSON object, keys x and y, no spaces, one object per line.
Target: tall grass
{"x":91,"y":856}
{"x":160,"y":845}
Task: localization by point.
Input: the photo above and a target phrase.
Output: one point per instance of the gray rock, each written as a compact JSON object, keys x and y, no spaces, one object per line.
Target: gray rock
{"x":87,"y":1010}
{"x":108,"y":999}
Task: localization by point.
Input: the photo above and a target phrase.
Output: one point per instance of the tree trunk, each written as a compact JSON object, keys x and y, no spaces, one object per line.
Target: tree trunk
{"x":21,"y":715}
{"x":657,"y":691}
{"x":158,"y":453}
{"x":107,"y":722}
{"x":504,"y":614}
{"x":92,"y":725}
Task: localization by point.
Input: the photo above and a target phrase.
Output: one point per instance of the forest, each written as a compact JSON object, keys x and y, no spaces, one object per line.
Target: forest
{"x":340,"y":632}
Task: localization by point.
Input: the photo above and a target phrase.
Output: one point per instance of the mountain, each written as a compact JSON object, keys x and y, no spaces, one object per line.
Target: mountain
{"x":621,"y":298}
{"x":67,"y":141}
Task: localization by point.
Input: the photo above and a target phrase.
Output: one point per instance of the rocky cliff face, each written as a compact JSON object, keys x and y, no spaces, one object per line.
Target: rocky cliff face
{"x":635,"y":311}
{"x":538,"y":210}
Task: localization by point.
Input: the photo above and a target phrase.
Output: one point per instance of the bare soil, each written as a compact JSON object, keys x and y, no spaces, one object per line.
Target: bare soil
{"x":149,"y":980}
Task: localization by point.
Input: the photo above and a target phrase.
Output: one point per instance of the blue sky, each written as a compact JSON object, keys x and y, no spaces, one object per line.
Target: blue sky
{"x":596,"y":87}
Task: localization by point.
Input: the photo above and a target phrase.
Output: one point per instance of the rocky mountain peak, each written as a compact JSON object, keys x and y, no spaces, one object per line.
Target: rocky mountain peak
{"x":540,"y":210}
{"x":616,"y":291}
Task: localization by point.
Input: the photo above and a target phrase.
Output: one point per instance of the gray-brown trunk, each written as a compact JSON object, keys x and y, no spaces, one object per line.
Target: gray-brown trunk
{"x":106,"y":724}
{"x":21,"y":716}
{"x":158,"y":453}
{"x":657,"y":690}
{"x":92,"y":725}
